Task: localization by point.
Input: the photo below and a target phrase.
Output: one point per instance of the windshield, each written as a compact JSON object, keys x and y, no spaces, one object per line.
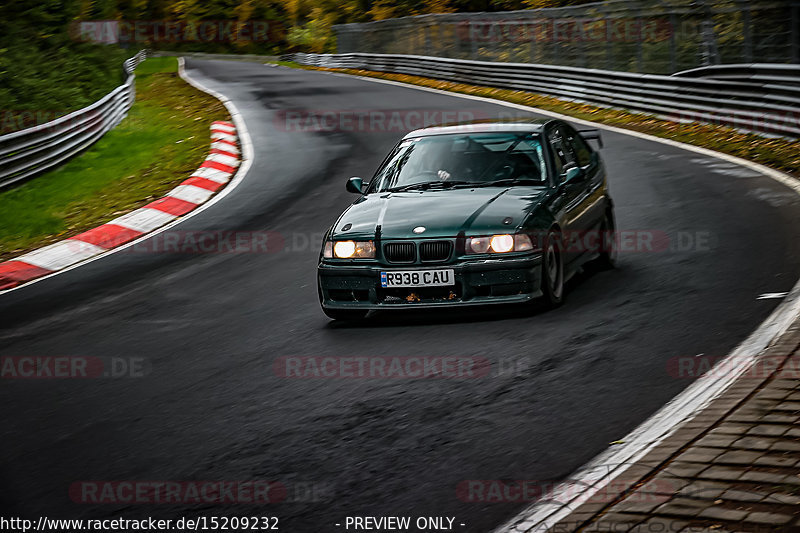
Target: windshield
{"x":479,"y":159}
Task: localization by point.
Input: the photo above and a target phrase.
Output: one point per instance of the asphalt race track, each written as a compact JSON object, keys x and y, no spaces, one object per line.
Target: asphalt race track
{"x":562,"y":385}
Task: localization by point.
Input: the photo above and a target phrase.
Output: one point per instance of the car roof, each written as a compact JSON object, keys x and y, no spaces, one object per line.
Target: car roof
{"x":518,"y":126}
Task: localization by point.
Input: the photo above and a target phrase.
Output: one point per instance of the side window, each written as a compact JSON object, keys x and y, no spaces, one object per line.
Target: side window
{"x":562,"y":153}
{"x":582,"y":151}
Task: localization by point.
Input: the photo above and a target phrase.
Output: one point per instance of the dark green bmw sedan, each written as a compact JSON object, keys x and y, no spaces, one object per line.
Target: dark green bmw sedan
{"x":471,"y":214}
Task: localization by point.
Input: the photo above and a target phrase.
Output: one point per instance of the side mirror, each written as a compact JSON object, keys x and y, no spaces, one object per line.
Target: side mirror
{"x":574,"y":174}
{"x":354,"y":185}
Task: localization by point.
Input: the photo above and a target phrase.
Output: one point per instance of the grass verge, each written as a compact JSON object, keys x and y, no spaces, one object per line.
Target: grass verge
{"x":780,"y":154}
{"x":164,"y":138}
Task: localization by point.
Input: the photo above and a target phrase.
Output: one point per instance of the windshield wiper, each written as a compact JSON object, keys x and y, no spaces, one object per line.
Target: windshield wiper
{"x":424,"y":186}
{"x":508,"y":181}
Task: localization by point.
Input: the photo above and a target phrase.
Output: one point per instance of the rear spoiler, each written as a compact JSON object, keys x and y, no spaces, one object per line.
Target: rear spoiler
{"x":592,"y":135}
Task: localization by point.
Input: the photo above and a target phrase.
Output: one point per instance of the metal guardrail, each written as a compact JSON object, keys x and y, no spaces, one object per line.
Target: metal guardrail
{"x":29,"y":152}
{"x":130,"y":64}
{"x":761,"y":98}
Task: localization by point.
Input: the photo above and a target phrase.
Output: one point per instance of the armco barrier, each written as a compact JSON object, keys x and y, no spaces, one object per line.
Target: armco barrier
{"x":29,"y":152}
{"x":763,"y":98}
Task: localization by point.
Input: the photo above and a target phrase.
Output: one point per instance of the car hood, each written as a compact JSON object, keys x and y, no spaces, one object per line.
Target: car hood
{"x":442,"y":213}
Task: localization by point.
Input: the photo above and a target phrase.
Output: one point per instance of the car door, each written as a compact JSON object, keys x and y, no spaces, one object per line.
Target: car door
{"x":590,"y":197}
{"x":569,"y":196}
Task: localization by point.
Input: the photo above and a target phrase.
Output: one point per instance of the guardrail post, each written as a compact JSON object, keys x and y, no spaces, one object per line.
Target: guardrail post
{"x":710,"y":55}
{"x":581,"y":45}
{"x":493,"y":43}
{"x":556,"y":43}
{"x":795,"y":33}
{"x":458,"y":40}
{"x":531,"y":34}
{"x":609,"y":48}
{"x":747,"y":33}
{"x":673,"y":52}
{"x":473,"y":40}
{"x":427,"y":32}
{"x":441,"y":39}
{"x":639,"y":43}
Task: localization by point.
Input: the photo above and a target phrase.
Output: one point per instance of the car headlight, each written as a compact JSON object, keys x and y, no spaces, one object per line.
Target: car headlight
{"x":349,"y":250}
{"x":499,"y":244}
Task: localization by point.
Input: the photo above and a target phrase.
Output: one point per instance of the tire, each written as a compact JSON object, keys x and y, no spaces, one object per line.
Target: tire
{"x":608,"y":251}
{"x":345,"y":314}
{"x":553,"y":271}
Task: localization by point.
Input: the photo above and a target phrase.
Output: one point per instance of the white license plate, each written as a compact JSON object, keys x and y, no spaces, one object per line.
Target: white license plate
{"x":418,"y":278}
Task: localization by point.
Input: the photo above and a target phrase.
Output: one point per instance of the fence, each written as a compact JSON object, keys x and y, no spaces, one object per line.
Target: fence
{"x":29,"y":152}
{"x":654,"y":36}
{"x":763,"y":98}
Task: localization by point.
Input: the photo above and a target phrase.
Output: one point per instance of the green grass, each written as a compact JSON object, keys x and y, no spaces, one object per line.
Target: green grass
{"x":155,"y":65}
{"x":164,"y":138}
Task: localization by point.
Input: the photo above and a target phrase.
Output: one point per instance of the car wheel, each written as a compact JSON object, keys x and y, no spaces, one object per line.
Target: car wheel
{"x":553,"y":271}
{"x":608,"y":253}
{"x":345,"y":314}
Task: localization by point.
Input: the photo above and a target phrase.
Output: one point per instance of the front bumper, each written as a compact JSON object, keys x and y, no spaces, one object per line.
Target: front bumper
{"x":478,"y":282}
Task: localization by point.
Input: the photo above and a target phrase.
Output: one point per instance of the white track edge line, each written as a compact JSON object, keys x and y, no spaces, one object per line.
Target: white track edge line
{"x":246,"y":146}
{"x":683,"y":406}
